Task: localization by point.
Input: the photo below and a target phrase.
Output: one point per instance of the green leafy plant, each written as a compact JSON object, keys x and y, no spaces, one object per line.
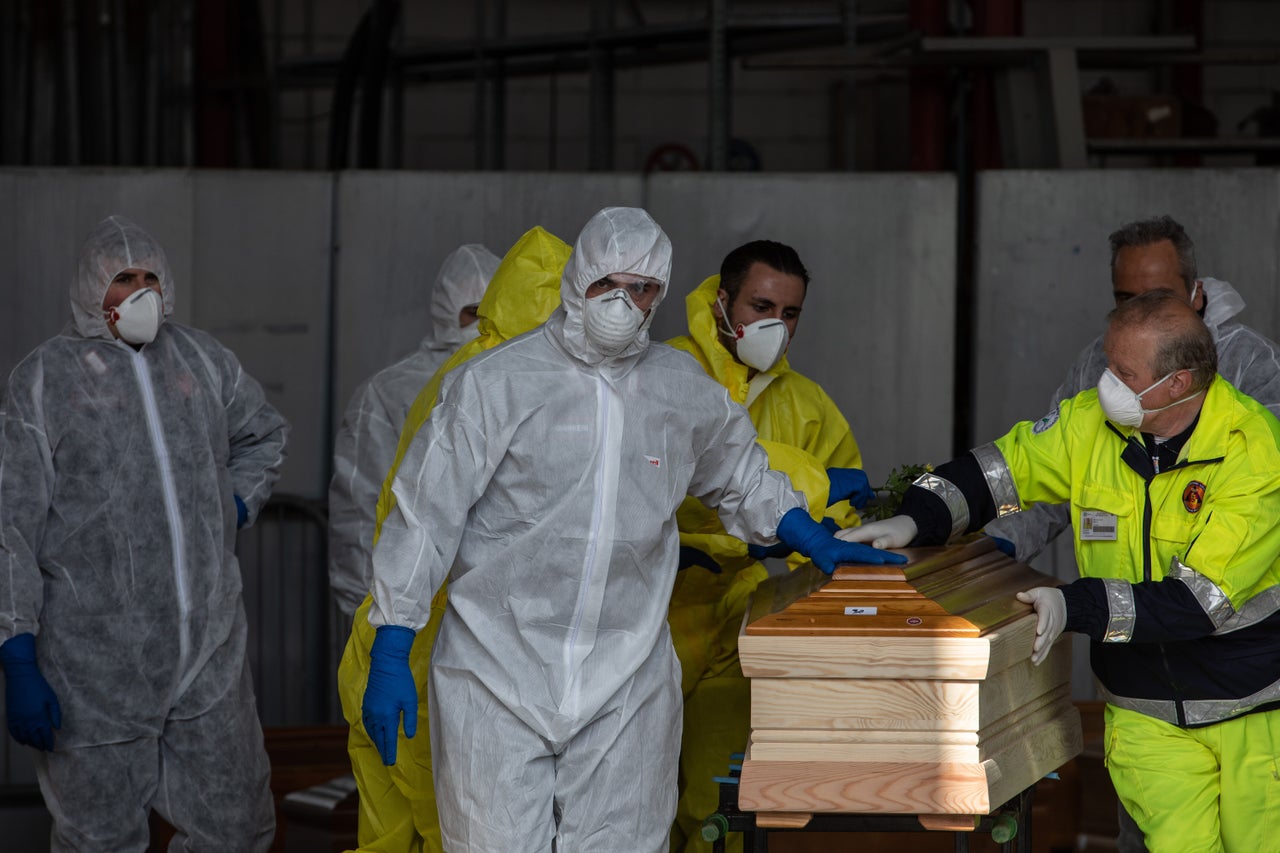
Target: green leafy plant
{"x":889,"y":496}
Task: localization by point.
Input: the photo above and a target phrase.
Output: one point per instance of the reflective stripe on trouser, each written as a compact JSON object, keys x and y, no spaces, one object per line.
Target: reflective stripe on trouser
{"x":611,"y":788}
{"x":705,"y":617}
{"x":1215,"y":788}
{"x":397,"y":804}
{"x":207,"y":774}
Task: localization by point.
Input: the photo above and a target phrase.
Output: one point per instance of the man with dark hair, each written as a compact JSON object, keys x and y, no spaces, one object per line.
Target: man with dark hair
{"x":1173,"y":478}
{"x":1153,"y":234}
{"x":740,"y":323}
{"x":779,"y":257}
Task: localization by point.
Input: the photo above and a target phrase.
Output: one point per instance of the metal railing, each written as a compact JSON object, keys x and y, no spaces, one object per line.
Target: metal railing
{"x":296,"y":632}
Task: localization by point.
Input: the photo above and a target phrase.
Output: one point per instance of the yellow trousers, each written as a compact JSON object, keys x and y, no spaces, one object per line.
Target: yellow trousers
{"x":1204,"y":790}
{"x":397,"y":803}
{"x":705,"y":615}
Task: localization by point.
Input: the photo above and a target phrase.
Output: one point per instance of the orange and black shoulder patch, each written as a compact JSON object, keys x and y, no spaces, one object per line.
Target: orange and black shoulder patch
{"x":1193,"y":496}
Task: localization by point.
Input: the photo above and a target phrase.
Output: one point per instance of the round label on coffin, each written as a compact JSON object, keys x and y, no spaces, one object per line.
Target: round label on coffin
{"x":914,"y":620}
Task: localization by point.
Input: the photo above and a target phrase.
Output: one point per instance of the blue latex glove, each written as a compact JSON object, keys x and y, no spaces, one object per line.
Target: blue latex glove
{"x":849,"y":484}
{"x":690,"y":556}
{"x":1006,"y":546}
{"x":783,"y":550}
{"x":30,"y":704}
{"x":810,"y":538}
{"x":390,"y":691}
{"x":242,"y":512}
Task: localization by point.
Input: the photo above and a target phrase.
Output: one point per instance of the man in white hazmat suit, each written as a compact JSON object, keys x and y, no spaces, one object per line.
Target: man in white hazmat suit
{"x":365,"y":444}
{"x":544,"y":486}
{"x":131,"y":448}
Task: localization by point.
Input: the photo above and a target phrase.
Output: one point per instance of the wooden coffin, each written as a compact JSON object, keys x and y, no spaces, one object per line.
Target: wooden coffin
{"x":902,"y":689}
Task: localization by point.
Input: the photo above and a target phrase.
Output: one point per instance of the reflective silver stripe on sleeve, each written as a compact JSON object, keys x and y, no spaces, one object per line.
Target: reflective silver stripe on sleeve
{"x":1121,"y":610}
{"x":951,"y":496}
{"x":999,"y":479}
{"x":1210,"y":596}
{"x":1261,"y":606}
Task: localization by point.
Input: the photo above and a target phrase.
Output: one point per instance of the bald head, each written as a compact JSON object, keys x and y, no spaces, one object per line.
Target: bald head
{"x":1166,"y":328}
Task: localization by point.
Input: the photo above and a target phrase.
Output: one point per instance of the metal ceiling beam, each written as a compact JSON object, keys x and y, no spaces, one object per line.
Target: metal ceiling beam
{"x":635,"y":46}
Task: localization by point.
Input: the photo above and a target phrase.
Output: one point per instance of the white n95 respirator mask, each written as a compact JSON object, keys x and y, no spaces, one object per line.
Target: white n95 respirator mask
{"x":760,"y":344}
{"x":611,"y":322}
{"x":1122,"y":405}
{"x":137,"y":319}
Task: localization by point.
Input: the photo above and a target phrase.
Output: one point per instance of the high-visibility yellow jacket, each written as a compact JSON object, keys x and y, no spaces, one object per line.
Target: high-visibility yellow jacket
{"x":1180,"y":568}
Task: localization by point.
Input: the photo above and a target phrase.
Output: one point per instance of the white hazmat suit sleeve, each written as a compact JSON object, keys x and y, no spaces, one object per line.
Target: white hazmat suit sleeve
{"x":441,"y":476}
{"x":257,"y":434}
{"x":733,"y":476}
{"x":366,"y":442}
{"x":363,"y":451}
{"x":26,"y":487}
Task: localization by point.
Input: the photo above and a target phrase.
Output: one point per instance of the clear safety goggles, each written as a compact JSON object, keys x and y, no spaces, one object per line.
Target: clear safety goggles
{"x":642,"y":289}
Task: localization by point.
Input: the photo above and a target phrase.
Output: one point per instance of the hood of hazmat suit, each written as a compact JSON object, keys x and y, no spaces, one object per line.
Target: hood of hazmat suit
{"x":617,"y":240}
{"x":114,"y":245}
{"x":463,"y":277}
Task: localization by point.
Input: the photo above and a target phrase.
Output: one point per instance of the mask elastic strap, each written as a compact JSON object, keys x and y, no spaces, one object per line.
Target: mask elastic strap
{"x":1174,"y":403}
{"x":724,"y":318}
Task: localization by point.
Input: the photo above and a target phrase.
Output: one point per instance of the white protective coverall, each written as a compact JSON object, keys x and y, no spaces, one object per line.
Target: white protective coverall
{"x":365,"y":444}
{"x":1246,"y":358}
{"x":117,"y":534}
{"x":544,"y":486}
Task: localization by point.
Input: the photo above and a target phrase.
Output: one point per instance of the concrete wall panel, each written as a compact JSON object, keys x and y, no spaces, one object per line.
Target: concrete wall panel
{"x":1043,"y":276}
{"x":395,"y":229}
{"x":260,"y":284}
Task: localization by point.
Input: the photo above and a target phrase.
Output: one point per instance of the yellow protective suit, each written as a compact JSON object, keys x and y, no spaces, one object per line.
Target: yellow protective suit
{"x":397,"y":803}
{"x":804,"y":433}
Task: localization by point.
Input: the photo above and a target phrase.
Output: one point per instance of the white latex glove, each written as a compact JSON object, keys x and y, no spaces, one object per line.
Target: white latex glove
{"x":1051,"y":618}
{"x":896,"y":532}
